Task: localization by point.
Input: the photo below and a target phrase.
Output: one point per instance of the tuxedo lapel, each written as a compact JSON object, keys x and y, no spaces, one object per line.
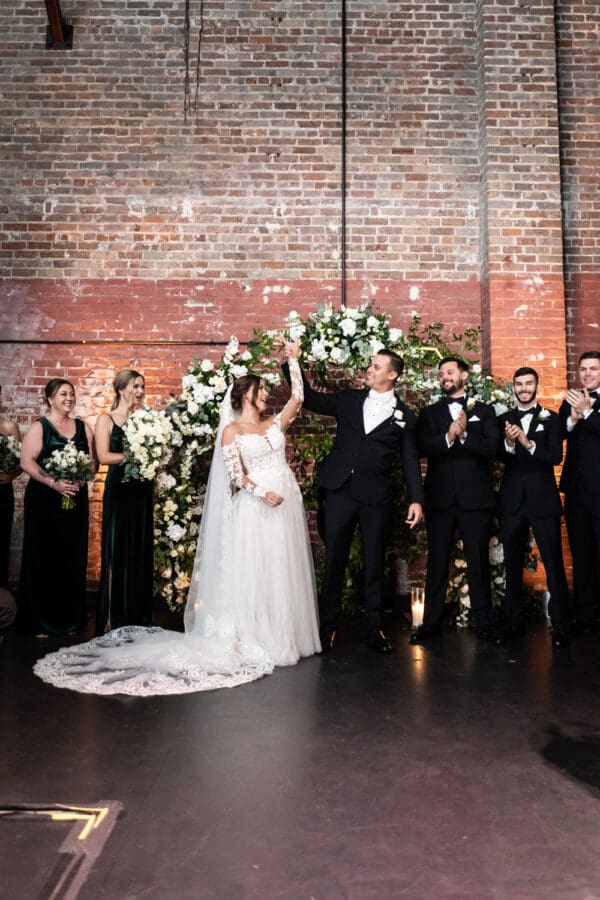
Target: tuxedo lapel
{"x":362,"y":396}
{"x":534,"y":420}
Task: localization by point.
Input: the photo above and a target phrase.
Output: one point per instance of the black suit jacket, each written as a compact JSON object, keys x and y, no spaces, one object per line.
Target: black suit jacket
{"x":582,"y":462}
{"x":459,"y":474}
{"x":529,"y":476}
{"x":368,"y":458}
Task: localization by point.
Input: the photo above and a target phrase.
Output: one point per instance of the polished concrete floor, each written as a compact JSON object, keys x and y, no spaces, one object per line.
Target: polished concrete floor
{"x":458,"y":771}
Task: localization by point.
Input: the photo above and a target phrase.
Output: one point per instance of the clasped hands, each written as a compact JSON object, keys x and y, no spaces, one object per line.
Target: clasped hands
{"x":514,"y":433}
{"x":291,"y":349}
{"x":66,"y":488}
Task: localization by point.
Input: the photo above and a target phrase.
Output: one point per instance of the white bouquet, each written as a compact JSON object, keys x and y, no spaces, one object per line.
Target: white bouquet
{"x":148,"y":436}
{"x":70,"y":464}
{"x":9,"y":453}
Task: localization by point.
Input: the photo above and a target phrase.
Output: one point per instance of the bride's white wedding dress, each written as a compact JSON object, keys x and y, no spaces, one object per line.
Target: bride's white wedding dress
{"x":252,"y":603}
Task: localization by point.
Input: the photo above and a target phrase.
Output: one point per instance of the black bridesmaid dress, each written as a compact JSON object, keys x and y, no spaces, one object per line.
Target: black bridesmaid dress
{"x":52,"y":587}
{"x":7,"y":508}
{"x":125,"y":594}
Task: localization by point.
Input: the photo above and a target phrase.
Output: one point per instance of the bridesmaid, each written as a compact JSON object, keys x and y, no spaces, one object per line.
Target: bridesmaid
{"x":52,"y":600}
{"x":7,"y":500}
{"x":125,"y":594}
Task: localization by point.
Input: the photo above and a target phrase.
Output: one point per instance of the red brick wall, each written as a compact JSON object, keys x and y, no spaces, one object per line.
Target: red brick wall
{"x":121,"y":222}
{"x":578,"y":24}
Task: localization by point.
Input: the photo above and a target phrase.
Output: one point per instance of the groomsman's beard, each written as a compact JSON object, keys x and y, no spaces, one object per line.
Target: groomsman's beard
{"x":454,"y":389}
{"x":528,"y":400}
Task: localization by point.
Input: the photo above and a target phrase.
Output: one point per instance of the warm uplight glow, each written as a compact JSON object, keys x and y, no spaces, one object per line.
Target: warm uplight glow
{"x":417,"y":605}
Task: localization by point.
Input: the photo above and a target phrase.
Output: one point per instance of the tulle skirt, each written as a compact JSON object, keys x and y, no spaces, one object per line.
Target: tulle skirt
{"x":271,"y":578}
{"x":271,"y":621}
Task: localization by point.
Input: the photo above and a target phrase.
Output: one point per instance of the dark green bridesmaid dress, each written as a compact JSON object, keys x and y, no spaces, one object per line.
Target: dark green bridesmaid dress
{"x":125,"y":595}
{"x":7,"y":508}
{"x":52,"y":587}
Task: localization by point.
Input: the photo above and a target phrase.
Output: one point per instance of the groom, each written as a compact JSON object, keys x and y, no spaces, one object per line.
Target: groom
{"x":373,"y":427}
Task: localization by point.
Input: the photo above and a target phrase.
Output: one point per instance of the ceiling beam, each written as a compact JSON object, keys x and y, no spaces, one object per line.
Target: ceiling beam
{"x":59,"y":35}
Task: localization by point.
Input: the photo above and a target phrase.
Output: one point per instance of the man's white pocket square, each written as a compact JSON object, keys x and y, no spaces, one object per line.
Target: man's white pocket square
{"x":540,"y":427}
{"x":474,"y":419}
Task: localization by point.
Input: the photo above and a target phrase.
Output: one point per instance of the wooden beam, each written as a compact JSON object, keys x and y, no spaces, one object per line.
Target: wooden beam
{"x":59,"y":35}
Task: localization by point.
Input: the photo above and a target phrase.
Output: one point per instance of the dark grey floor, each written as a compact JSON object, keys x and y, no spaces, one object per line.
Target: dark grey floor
{"x":463,"y":771}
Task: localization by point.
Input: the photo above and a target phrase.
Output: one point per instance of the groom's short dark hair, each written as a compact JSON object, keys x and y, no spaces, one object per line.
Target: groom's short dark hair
{"x":395,"y":361}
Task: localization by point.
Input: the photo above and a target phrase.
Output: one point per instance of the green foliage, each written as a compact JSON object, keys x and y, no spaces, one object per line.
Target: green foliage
{"x":337,"y":346}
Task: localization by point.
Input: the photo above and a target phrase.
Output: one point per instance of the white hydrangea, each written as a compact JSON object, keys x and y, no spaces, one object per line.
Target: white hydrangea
{"x":348,"y":326}
{"x":175,"y":532}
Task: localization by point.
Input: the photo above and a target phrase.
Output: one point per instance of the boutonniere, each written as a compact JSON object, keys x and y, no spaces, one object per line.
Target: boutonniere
{"x":471,"y":401}
{"x":399,"y":418}
{"x":543,"y":414}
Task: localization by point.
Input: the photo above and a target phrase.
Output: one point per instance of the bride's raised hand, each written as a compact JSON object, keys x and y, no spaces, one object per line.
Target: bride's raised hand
{"x":292,"y":350}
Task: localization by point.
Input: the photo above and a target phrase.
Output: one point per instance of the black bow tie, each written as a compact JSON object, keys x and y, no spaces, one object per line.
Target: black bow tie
{"x":593,"y":395}
{"x":461,"y":400}
{"x":525,"y":412}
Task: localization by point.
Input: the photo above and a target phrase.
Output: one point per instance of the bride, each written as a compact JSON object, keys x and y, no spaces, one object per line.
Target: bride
{"x":252,"y":599}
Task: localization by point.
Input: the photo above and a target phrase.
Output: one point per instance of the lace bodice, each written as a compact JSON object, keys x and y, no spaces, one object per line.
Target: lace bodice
{"x":250,"y":454}
{"x":263,"y":451}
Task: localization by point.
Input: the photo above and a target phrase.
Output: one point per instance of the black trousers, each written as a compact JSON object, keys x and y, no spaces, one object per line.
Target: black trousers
{"x":582,"y":515}
{"x":514,"y":533}
{"x":474,"y":527}
{"x":342,"y":514}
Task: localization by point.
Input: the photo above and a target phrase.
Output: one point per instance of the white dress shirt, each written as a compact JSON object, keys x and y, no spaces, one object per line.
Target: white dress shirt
{"x":378,"y":407}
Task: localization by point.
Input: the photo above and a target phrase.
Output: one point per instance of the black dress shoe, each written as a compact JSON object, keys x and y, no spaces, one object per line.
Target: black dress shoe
{"x":378,"y":642}
{"x":490,"y":635}
{"x":327,"y":638}
{"x":424,"y":633}
{"x":560,"y":638}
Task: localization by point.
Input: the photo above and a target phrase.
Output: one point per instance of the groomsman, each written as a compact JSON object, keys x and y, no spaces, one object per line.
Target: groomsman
{"x":459,"y":437}
{"x":531,"y":445}
{"x":580,"y":483}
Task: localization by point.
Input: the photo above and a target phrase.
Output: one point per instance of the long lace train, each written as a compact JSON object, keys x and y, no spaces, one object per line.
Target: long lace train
{"x":145,"y":662}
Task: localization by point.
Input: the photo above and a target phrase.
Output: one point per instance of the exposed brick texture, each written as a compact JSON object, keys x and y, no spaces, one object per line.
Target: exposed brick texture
{"x":578,"y":44}
{"x":472,"y":195}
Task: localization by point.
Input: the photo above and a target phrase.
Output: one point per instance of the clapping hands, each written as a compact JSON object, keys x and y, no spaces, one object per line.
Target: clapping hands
{"x":579,"y":401}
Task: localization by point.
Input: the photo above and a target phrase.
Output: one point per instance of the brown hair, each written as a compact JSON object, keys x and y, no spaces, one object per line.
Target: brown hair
{"x":123,"y":380}
{"x":53,"y":387}
{"x":395,"y":361}
{"x":241,"y":387}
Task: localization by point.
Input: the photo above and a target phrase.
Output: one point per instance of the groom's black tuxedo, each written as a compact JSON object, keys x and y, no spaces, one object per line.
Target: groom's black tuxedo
{"x":580,"y":483}
{"x":356,"y":480}
{"x":458,"y":495}
{"x":529,"y":497}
